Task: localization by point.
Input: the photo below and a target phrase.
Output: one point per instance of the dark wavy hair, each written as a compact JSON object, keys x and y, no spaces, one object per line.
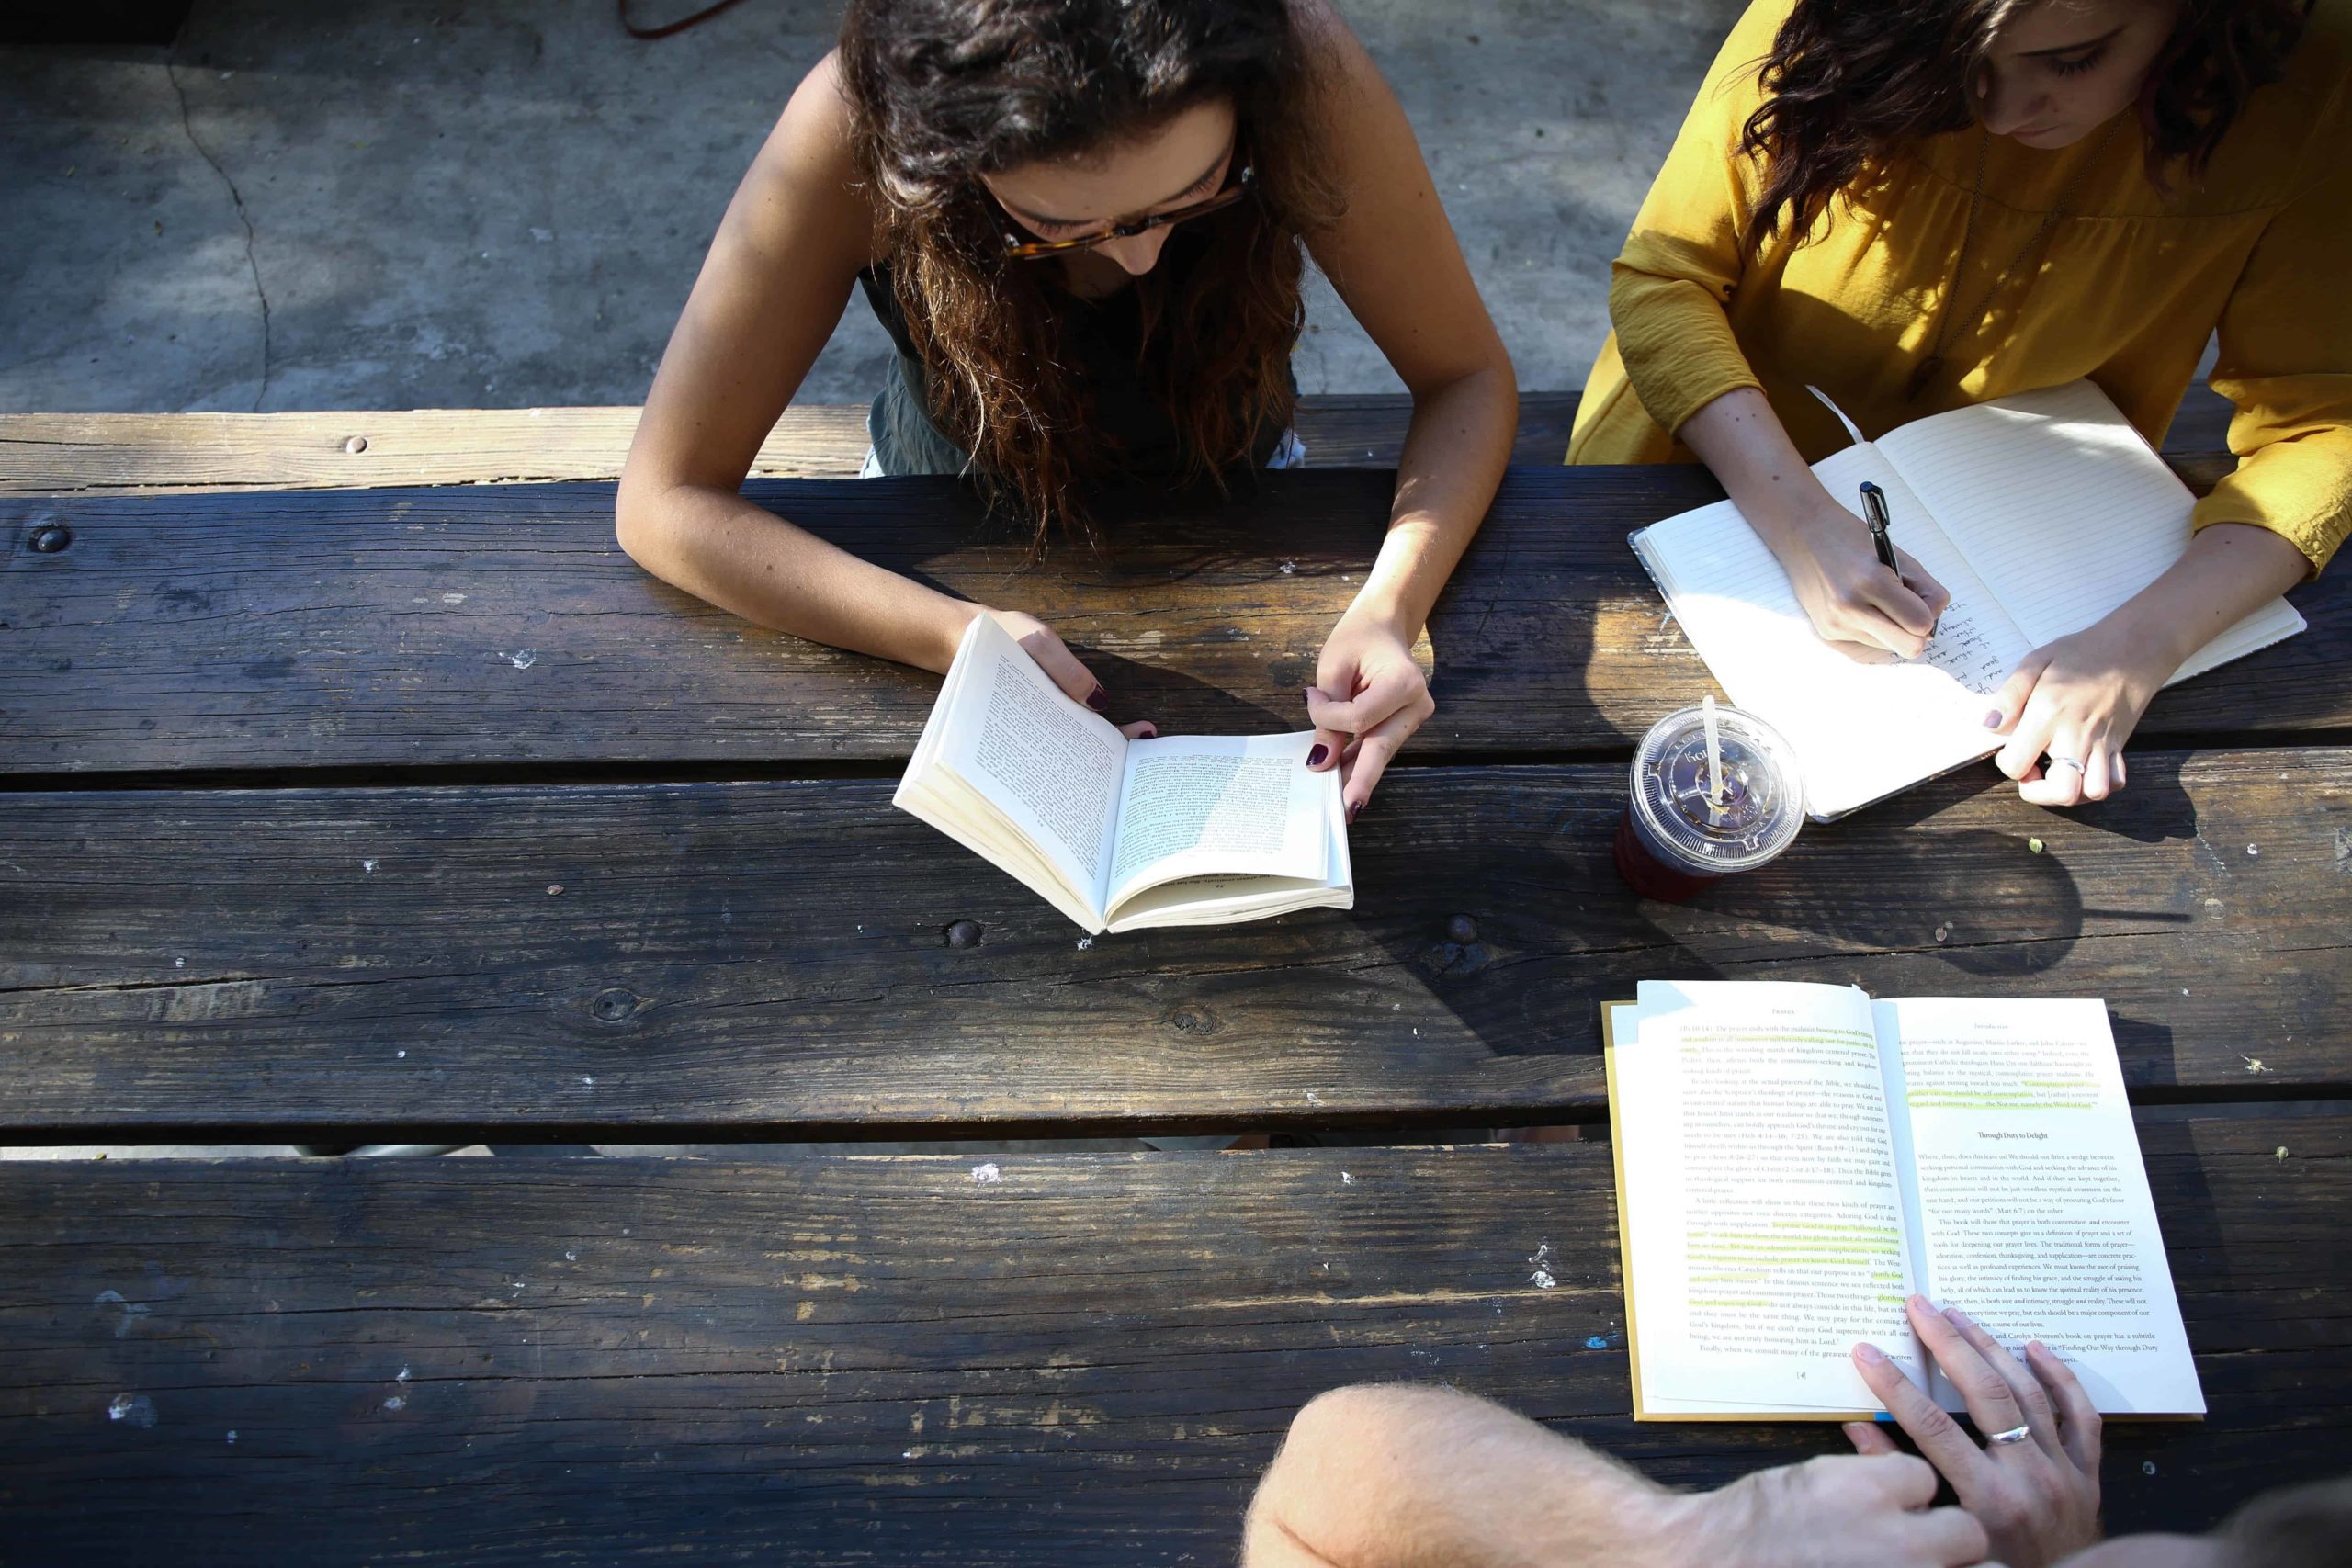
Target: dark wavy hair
{"x":1847,"y":84}
{"x":942,"y":91}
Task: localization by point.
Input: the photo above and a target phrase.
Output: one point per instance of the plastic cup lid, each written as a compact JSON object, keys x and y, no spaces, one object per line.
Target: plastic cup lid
{"x":1762,"y":804}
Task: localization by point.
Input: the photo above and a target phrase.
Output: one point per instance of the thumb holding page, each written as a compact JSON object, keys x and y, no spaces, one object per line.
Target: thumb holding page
{"x":1061,"y":666}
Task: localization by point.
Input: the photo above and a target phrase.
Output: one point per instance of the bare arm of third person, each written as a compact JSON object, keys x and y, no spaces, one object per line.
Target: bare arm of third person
{"x":1824,"y":549}
{"x":770,"y":294}
{"x":1401,"y":1475}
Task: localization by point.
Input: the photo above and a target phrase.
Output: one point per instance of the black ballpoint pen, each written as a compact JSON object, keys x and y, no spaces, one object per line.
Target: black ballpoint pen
{"x":1874,"y":509}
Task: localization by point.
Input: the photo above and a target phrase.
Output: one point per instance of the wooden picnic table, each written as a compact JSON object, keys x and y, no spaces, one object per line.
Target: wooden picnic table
{"x":346,"y":816}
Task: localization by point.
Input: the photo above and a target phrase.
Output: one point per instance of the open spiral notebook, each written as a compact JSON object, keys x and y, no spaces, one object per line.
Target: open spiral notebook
{"x":2041,"y":513}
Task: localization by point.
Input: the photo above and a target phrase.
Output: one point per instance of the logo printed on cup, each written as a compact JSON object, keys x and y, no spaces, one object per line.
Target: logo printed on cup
{"x":1678,"y":835}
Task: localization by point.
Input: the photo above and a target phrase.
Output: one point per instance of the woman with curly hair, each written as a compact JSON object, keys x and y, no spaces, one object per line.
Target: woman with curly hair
{"x":1917,"y":205}
{"x":1084,"y":224}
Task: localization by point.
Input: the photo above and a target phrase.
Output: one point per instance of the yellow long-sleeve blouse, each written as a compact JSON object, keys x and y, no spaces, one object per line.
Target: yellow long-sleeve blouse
{"x":2132,"y":283}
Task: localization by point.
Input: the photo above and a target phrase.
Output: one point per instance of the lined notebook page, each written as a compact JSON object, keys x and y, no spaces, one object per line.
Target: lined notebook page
{"x":2063,"y":510}
{"x":1862,"y":731}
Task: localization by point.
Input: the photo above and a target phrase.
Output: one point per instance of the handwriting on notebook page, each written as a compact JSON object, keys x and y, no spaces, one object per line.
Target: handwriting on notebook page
{"x":1968,"y":651}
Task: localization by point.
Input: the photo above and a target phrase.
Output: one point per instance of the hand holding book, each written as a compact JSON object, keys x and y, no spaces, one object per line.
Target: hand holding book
{"x":2034,"y":1485}
{"x":1120,"y":831}
{"x":1058,"y":664}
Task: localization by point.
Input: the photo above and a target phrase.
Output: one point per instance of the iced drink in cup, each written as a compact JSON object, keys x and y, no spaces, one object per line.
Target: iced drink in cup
{"x":1681,"y":831}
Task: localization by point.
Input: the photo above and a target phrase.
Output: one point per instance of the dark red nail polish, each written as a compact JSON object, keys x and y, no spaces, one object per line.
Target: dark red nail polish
{"x":1097,"y":698}
{"x":1314,"y":758}
{"x":1353,"y":808}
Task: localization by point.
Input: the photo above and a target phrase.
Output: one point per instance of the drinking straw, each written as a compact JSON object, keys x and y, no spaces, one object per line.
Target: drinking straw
{"x":1715,"y":759}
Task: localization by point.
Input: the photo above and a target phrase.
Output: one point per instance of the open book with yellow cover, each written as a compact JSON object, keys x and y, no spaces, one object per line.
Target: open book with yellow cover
{"x":1793,"y":1161}
{"x":1120,"y":834}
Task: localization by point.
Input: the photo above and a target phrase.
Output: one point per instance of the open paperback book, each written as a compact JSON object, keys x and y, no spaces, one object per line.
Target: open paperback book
{"x":2041,"y":513}
{"x":1793,"y":1161}
{"x":1120,"y":834}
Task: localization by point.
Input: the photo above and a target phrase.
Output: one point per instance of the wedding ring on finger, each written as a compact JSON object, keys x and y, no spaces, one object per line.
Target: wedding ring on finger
{"x":2062,"y":762}
{"x":2014,"y":1435}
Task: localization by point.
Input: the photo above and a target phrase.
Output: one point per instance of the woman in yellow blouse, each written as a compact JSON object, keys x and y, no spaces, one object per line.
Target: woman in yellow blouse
{"x":1922,"y":204}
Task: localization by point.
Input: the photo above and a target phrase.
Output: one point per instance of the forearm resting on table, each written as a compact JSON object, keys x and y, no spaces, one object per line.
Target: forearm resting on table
{"x":1402,"y":1476}
{"x":1743,"y":442}
{"x":736,"y":555}
{"x":1456,"y":450}
{"x":2229,"y":571}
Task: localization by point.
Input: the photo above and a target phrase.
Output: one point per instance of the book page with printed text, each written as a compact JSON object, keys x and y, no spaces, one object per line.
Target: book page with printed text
{"x":2033,"y":1209}
{"x":1763,"y":1218}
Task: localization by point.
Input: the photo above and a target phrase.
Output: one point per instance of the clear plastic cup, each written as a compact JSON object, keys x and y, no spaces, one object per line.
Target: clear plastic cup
{"x":1674,"y":839}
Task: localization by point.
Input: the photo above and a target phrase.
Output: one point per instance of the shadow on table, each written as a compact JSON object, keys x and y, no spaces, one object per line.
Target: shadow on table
{"x":1137,"y":690}
{"x":1255,"y":578}
{"x":1521,"y":929}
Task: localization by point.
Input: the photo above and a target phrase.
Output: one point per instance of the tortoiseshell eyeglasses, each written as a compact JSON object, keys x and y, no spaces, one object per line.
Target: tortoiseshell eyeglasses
{"x":1243,"y":184}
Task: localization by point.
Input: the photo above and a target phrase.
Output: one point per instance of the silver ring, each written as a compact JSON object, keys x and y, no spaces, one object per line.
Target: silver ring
{"x":2065,"y":763}
{"x":2014,"y":1435}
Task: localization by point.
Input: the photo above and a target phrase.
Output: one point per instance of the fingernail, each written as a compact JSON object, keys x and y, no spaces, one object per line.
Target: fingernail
{"x":1992,"y":719}
{"x":1149,"y":732}
{"x":1353,"y":809}
{"x":1954,"y":1315}
{"x":1871,"y":1354}
{"x":1920,"y":1303}
{"x":1096,"y":698}
{"x":1315,"y":757}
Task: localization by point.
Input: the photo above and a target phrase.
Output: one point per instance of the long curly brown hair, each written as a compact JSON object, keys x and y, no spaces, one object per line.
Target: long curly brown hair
{"x":942,"y":91}
{"x":1848,"y":84}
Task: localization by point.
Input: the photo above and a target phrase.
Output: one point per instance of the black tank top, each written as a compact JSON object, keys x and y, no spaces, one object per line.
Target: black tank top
{"x":1104,"y":336}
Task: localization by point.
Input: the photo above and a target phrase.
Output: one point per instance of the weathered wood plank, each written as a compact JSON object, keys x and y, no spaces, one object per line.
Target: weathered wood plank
{"x":102,"y":452}
{"x":756,"y":959}
{"x":105,"y":452}
{"x":833,"y":1360}
{"x":477,"y":625}
{"x":110,"y":452}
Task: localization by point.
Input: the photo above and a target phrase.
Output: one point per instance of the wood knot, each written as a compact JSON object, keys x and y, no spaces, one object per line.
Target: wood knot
{"x":1455,"y":960}
{"x":963,"y":934}
{"x":1461,"y":931}
{"x":49,"y":538}
{"x":356,"y":444}
{"x":1190,"y":1019}
{"x":614,"y":1004}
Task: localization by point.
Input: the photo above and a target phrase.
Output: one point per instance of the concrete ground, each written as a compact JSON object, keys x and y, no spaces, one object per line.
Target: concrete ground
{"x":406,"y":204}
